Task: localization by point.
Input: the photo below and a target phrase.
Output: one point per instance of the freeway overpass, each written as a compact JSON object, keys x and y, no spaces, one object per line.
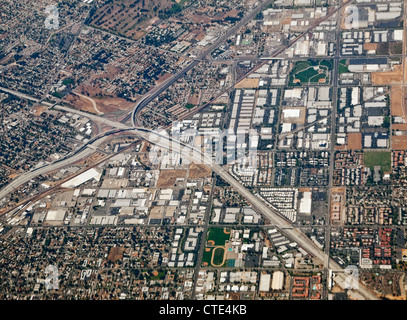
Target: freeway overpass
{"x":151,"y":95}
{"x":193,"y":153}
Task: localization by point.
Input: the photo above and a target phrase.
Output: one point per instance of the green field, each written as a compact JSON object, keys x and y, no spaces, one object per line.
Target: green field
{"x":343,"y":68}
{"x":310,"y":72}
{"x":218,"y":256}
{"x":159,"y":276}
{"x":380,"y":158}
{"x":207,"y":256}
{"x":218,"y":236}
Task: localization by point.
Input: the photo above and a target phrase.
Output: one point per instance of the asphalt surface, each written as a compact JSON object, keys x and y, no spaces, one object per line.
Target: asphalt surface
{"x":272,"y":215}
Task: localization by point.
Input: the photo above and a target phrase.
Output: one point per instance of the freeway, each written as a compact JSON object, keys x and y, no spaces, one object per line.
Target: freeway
{"x":83,"y":152}
{"x":257,"y":203}
{"x":191,"y":152}
{"x":29,"y":175}
{"x":162,"y":141}
{"x":151,"y":95}
{"x":275,"y":54}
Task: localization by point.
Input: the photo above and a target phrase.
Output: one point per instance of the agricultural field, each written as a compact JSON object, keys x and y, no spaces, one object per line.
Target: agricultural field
{"x":130,"y":18}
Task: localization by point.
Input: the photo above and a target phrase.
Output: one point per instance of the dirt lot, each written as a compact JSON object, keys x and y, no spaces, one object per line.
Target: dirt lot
{"x":156,"y":212}
{"x":107,"y":105}
{"x":123,"y":16}
{"x":396,"y":101}
{"x":354,"y":141}
{"x":370,"y":46}
{"x":199,"y":171}
{"x":247,"y":84}
{"x":104,"y":104}
{"x":80,"y":103}
{"x":399,"y":142}
{"x":399,"y":126}
{"x":115,"y":254}
{"x":388,"y":77}
{"x":168,"y":177}
{"x":40,"y":109}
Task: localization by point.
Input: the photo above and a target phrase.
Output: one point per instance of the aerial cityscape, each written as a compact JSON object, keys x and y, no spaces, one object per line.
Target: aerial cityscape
{"x":203,"y":150}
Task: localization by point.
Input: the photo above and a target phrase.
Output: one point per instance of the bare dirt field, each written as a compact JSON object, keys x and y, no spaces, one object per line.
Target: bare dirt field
{"x":157,"y":212}
{"x":370,"y":46}
{"x":388,"y":77}
{"x":247,"y":84}
{"x":396,"y":101}
{"x":108,"y":104}
{"x":399,"y":142}
{"x":80,"y":103}
{"x":199,"y":171}
{"x":340,"y":147}
{"x":40,"y":109}
{"x":354,"y":141}
{"x":13,"y":175}
{"x":168,"y":177}
{"x":104,"y":104}
{"x":115,"y":254}
{"x":128,"y":17}
{"x":399,"y":126}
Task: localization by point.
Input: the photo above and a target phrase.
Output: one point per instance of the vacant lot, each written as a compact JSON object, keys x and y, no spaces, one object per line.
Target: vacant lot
{"x":354,"y":141}
{"x":115,"y":254}
{"x":199,"y":171}
{"x":388,"y":77}
{"x":128,"y":18}
{"x":379,"y":158}
{"x":399,"y":142}
{"x":168,"y":178}
{"x":248,"y":84}
{"x":396,"y":100}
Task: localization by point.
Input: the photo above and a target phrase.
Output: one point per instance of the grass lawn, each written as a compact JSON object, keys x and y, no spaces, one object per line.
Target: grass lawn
{"x":218,"y":256}
{"x":326,"y":63}
{"x":380,"y":158}
{"x":316,"y":78}
{"x":304,"y":71}
{"x":343,"y":68}
{"x":207,"y":256}
{"x":306,"y":74}
{"x":218,"y":236}
{"x":159,"y":276}
{"x":301,"y":65}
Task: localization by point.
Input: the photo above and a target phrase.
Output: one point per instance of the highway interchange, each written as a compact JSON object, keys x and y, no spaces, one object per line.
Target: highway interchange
{"x":166,"y":142}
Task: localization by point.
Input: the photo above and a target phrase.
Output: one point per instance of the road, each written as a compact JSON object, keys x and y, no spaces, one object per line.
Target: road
{"x":152,"y":94}
{"x":27,"y":176}
{"x":257,"y":203}
{"x":158,"y":139}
